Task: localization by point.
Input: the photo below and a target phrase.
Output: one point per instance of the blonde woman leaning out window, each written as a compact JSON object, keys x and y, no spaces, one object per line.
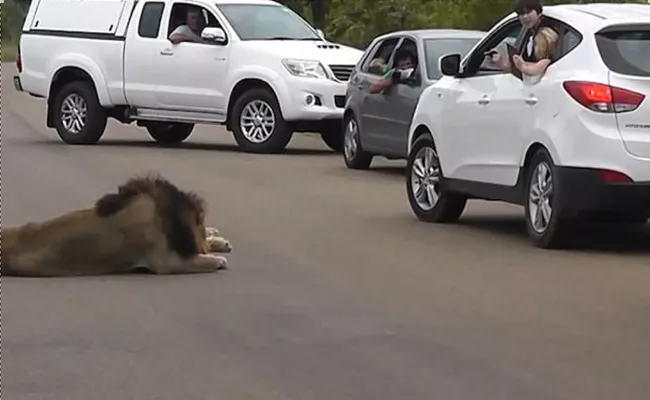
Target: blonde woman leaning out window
{"x":545,"y":44}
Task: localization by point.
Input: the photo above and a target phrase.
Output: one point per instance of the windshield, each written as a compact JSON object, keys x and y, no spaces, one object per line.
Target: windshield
{"x":436,"y":48}
{"x":267,"y":22}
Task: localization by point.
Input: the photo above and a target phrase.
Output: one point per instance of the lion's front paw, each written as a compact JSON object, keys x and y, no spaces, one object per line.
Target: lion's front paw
{"x":221,"y":262}
{"x":212,"y":231}
{"x":211,"y":262}
{"x":218,"y":245}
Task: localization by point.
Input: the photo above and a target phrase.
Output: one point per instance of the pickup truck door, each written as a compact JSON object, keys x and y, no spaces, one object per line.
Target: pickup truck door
{"x":161,"y":75}
{"x":195,"y":76}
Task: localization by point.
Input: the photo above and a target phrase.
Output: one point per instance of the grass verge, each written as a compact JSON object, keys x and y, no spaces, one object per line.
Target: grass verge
{"x":8,"y":51}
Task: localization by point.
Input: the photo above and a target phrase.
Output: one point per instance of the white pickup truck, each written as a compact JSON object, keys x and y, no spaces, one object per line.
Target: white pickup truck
{"x":254,"y":66}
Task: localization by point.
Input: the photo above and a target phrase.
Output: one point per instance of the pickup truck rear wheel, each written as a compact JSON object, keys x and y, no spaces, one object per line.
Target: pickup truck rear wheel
{"x":257,"y":123}
{"x":333,"y":140}
{"x":78,"y":116}
{"x":169,"y":132}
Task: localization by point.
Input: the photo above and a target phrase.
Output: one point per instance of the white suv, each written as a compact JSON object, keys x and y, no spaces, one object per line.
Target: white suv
{"x":574,"y":145}
{"x":260,"y":69}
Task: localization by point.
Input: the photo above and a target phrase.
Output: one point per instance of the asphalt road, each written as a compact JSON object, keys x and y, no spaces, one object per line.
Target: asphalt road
{"x":335,"y":291}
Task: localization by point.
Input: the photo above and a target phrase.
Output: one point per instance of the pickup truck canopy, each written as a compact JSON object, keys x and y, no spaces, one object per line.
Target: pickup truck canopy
{"x":87,"y":16}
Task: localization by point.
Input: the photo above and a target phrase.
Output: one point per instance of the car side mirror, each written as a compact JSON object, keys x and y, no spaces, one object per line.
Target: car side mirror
{"x":450,"y":64}
{"x":215,"y":35}
{"x":321,"y":33}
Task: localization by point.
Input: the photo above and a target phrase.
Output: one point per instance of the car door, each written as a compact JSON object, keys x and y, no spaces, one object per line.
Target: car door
{"x":142,"y":78}
{"x":395,"y":108}
{"x":194,"y":72}
{"x":182,"y":77}
{"x":485,"y":112}
{"x":533,"y":104}
{"x":370,"y":105}
{"x":402,"y":101}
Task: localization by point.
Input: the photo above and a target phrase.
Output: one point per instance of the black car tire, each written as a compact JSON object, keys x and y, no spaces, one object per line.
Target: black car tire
{"x":83,"y":94}
{"x":554,"y":234}
{"x":169,"y":133}
{"x":353,"y":154}
{"x":450,"y":205}
{"x":281,"y":133}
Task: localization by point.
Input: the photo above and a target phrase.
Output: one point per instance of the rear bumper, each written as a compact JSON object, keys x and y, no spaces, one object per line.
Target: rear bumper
{"x":585,"y":191}
{"x":17,"y":84}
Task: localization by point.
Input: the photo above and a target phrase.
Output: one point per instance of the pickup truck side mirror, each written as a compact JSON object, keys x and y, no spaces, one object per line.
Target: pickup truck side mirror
{"x":321,"y":33}
{"x":215,"y":35}
{"x":450,"y":64}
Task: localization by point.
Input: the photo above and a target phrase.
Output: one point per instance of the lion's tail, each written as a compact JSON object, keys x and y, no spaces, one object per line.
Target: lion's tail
{"x":6,"y":269}
{"x":6,"y":266}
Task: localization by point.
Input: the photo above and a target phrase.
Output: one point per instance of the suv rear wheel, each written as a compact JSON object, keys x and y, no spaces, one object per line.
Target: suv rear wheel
{"x":544,"y":223}
{"x":78,"y":116}
{"x":257,"y":123}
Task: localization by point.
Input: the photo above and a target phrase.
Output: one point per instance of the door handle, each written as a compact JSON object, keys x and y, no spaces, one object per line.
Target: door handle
{"x":531,"y":100}
{"x":485,"y":100}
{"x":166,"y":52}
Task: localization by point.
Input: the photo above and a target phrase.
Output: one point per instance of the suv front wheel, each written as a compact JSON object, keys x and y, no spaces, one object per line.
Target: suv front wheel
{"x":257,"y":123}
{"x":428,"y":198}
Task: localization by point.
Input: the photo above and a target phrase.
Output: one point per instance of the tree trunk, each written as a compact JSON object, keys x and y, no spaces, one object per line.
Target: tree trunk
{"x":319,"y":10}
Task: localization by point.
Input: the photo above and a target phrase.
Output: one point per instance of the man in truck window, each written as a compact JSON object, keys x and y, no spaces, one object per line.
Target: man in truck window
{"x":191,"y":30}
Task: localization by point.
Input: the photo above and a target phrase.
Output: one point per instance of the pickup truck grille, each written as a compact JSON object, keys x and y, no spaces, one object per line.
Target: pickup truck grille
{"x":342,"y":72}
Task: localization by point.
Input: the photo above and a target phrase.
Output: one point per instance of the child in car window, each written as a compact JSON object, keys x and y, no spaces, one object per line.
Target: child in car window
{"x":545,"y":44}
{"x":404,"y":63}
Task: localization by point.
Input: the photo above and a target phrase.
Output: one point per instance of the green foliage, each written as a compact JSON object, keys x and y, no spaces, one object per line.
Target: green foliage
{"x":13,"y":14}
{"x":357,"y":22}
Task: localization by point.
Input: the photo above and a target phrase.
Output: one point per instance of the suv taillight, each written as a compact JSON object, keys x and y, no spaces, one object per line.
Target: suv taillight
{"x":603,"y":98}
{"x":19,"y":61}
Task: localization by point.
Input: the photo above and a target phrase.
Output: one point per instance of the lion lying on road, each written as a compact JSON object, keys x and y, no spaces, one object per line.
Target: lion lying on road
{"x":148,"y":220}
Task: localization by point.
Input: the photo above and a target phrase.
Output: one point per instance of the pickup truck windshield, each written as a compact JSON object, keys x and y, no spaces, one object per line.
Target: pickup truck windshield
{"x":267,"y":22}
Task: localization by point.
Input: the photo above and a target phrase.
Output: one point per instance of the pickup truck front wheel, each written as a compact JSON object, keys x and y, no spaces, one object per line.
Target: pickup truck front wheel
{"x":169,"y":133}
{"x":78,"y":116}
{"x":257,"y":123}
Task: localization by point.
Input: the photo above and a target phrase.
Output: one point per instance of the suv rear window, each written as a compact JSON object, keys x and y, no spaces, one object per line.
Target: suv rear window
{"x":625,"y":50}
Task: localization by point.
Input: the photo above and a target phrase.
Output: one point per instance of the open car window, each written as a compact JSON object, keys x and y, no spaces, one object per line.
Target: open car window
{"x":508,"y":38}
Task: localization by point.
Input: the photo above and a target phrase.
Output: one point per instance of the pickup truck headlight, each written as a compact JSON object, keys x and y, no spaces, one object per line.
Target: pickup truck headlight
{"x":305,"y":68}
